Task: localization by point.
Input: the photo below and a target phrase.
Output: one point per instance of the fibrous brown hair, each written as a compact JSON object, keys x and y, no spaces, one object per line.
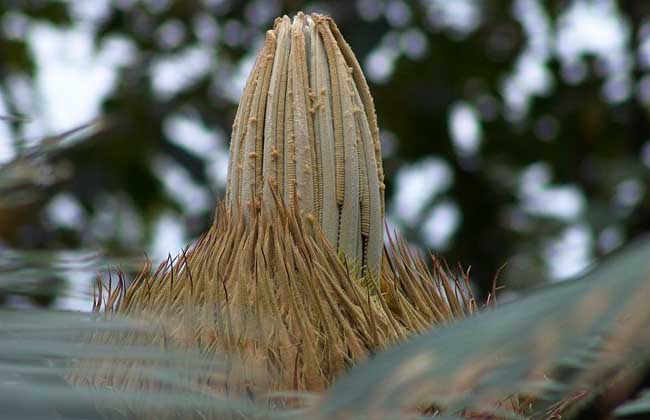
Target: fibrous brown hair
{"x":283,"y":302}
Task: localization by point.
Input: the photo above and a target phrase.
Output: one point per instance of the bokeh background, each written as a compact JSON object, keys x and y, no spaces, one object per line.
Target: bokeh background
{"x":514,"y":133}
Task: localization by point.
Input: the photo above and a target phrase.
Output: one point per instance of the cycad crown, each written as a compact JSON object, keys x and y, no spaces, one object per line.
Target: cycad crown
{"x":306,"y":128}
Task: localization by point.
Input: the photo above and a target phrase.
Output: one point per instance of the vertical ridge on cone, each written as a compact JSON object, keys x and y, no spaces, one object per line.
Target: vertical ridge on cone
{"x":306,"y":126}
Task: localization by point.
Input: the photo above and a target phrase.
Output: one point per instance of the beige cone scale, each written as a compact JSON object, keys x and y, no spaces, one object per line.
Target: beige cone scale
{"x":306,"y":127}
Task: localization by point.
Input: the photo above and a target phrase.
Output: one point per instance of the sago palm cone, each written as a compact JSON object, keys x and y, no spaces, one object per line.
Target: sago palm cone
{"x":293,"y":279}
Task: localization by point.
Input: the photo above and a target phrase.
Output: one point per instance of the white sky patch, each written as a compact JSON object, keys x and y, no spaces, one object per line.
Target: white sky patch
{"x":171,"y":34}
{"x":21,"y":93}
{"x":629,"y":192}
{"x":398,"y":14}
{"x":177,"y":72}
{"x":71,"y":79}
{"x":370,"y":10}
{"x":206,"y":144}
{"x":64,"y":210}
{"x":565,"y":203}
{"x":465,"y":128}
{"x":539,"y":198}
{"x":534,"y":178}
{"x":117,"y":51}
{"x":533,"y":73}
{"x":181,"y":187}
{"x":414,"y":43}
{"x":644,"y":46}
{"x":417,"y":184}
{"x":458,"y":16}
{"x":217,"y":169}
{"x":14,"y":25}
{"x":598,"y":28}
{"x":530,"y":76}
{"x":380,"y":63}
{"x":207,"y":29}
{"x":234,"y":87}
{"x":95,"y":10}
{"x":79,"y":291}
{"x":617,"y":88}
{"x":570,"y":254}
{"x":536,"y":25}
{"x":440,"y":225}
{"x":261,"y":12}
{"x":191,"y":135}
{"x":591,"y":27}
{"x":169,"y":237}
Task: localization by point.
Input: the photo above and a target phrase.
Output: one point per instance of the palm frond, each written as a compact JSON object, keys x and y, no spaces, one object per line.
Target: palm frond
{"x":43,"y":274}
{"x":40,"y":351}
{"x":637,"y":408}
{"x":22,"y":179}
{"x":535,"y":357}
{"x":556,"y":343}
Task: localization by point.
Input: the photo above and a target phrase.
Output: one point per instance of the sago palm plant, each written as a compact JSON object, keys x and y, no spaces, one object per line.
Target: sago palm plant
{"x":292,"y":269}
{"x":291,"y":306}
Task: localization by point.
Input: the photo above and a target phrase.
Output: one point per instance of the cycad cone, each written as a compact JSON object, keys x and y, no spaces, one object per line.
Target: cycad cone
{"x":306,"y":127}
{"x":267,"y":288}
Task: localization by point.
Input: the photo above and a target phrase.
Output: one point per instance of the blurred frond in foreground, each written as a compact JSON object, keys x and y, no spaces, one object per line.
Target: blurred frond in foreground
{"x":545,"y":354}
{"x":41,"y":274}
{"x":38,"y":349}
{"x":23,"y":178}
{"x":568,"y":342}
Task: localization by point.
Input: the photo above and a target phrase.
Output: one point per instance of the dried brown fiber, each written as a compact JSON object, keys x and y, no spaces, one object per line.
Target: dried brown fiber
{"x":283,"y":302}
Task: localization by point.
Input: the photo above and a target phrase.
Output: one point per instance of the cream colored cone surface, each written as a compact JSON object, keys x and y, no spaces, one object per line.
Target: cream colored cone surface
{"x":306,"y":126}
